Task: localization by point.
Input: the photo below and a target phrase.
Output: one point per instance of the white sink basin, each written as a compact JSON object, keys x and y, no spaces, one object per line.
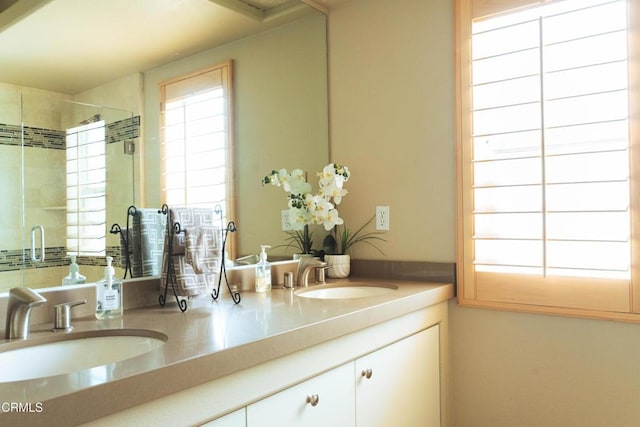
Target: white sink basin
{"x":345,"y":291}
{"x":64,"y":354}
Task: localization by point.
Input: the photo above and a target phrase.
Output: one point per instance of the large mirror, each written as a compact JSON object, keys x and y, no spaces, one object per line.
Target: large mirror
{"x":280,"y":115}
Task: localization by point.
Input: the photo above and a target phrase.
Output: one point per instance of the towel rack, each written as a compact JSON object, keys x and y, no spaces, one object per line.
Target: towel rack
{"x":171,"y":277}
{"x":230,"y":228}
{"x":124,"y":238}
{"x":173,"y":229}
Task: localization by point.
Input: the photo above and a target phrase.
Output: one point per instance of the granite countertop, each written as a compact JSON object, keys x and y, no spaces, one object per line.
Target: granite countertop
{"x":216,"y":334}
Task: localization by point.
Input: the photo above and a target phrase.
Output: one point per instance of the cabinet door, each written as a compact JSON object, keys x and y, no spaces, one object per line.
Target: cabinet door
{"x":325,"y":400}
{"x":399,"y":385}
{"x":234,"y":419}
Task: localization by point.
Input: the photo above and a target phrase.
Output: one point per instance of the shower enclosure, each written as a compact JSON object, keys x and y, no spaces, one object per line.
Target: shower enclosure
{"x":66,"y":174}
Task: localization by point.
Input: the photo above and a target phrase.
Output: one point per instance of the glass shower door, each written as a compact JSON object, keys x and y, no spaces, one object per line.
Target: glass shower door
{"x":11,"y":183}
{"x":44,"y":115}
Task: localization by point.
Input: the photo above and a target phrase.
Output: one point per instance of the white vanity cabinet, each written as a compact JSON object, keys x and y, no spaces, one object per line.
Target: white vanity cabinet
{"x":325,"y":400}
{"x":396,"y":385}
{"x":399,"y":385}
{"x":405,"y":359}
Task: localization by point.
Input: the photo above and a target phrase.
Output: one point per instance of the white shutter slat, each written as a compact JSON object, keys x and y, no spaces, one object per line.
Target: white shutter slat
{"x":86,"y":189}
{"x":551,"y":177}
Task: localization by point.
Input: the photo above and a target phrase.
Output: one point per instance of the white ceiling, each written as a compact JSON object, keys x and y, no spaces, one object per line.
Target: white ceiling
{"x":69,"y":46}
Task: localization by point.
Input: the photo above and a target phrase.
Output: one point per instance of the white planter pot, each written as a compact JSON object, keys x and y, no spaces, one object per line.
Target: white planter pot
{"x":338,"y":266}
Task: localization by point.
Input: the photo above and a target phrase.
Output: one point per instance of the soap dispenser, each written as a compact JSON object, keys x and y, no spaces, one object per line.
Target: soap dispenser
{"x":263,"y":271}
{"x":109,"y":294}
{"x":74,"y":277}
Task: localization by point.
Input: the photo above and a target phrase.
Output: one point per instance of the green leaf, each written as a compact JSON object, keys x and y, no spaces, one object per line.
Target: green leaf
{"x":349,"y":239}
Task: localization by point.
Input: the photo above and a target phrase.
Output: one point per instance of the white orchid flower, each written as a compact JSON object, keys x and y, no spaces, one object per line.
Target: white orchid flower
{"x":310,"y":202}
{"x":296,"y":183}
{"x":298,"y":218}
{"x":306,"y":208}
{"x":327,"y":176}
{"x":322,"y":207}
{"x":342,"y":171}
{"x":337,"y":194}
{"x":280,"y":178}
{"x":332,"y":219}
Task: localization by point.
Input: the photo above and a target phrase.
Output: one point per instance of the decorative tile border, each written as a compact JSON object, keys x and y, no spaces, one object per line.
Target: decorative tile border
{"x":56,"y":256}
{"x":121,"y":130}
{"x":9,"y":134}
{"x":101,"y":261}
{"x":44,"y":138}
{"x":11,"y":260}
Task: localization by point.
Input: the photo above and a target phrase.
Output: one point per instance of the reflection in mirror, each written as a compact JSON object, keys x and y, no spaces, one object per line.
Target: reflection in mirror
{"x":280,"y":115}
{"x":281,"y":120}
{"x":60,"y":153}
{"x":196,"y":144}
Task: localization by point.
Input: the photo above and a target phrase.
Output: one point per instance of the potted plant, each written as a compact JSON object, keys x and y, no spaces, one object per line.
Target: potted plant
{"x":301,"y":241}
{"x":338,"y":244}
{"x":306,"y":208}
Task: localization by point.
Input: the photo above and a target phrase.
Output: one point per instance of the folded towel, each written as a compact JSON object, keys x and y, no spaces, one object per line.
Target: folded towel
{"x":196,"y":251}
{"x":148,"y":242}
{"x":202,"y":249}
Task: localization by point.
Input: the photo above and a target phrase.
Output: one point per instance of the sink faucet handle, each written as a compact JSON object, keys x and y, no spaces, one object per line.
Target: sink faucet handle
{"x":321,"y":274}
{"x":63,"y":315}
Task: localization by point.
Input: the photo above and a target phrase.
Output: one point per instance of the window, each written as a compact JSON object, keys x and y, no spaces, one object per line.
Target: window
{"x":545,"y":156}
{"x":86,"y":189}
{"x":197,"y":150}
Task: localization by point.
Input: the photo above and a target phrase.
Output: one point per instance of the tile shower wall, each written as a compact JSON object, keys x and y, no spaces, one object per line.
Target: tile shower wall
{"x":45,"y":166}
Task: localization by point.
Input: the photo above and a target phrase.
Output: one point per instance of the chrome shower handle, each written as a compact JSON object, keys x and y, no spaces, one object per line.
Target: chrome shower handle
{"x":34,"y":258}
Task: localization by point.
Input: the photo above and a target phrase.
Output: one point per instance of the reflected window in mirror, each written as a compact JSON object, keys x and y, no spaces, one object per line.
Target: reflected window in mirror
{"x":196,"y":141}
{"x":86,"y":189}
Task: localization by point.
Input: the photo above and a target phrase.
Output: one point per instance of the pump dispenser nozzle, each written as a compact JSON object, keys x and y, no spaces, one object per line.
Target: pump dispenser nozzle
{"x":74,"y":277}
{"x":263,"y":271}
{"x":263,"y":252}
{"x":109,"y":270}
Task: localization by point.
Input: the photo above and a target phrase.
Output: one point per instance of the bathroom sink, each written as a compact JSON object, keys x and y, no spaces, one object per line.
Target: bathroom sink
{"x":344,"y":291}
{"x":63,"y":354}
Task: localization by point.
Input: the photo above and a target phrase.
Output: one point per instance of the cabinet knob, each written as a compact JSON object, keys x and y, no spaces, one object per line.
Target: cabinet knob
{"x":314,"y":399}
{"x":367,"y":373}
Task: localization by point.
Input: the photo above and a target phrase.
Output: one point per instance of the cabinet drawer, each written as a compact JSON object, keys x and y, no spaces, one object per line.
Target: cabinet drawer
{"x":325,"y":400}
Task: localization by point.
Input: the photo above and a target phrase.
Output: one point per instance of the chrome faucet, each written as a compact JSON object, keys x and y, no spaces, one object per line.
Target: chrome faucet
{"x":305,"y":267}
{"x":21,"y":301}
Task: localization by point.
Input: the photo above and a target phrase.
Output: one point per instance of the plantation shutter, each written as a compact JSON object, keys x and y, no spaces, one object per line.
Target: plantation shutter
{"x":86,"y":189}
{"x":195,"y":129}
{"x":546,"y":104}
{"x":550,"y":135}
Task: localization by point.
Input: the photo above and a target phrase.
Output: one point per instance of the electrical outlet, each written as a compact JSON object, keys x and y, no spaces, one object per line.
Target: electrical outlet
{"x":382,"y":218}
{"x":284,"y":215}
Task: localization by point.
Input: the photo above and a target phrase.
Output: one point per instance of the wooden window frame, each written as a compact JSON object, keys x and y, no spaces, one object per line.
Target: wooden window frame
{"x":581,"y":297}
{"x":227,"y":77}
